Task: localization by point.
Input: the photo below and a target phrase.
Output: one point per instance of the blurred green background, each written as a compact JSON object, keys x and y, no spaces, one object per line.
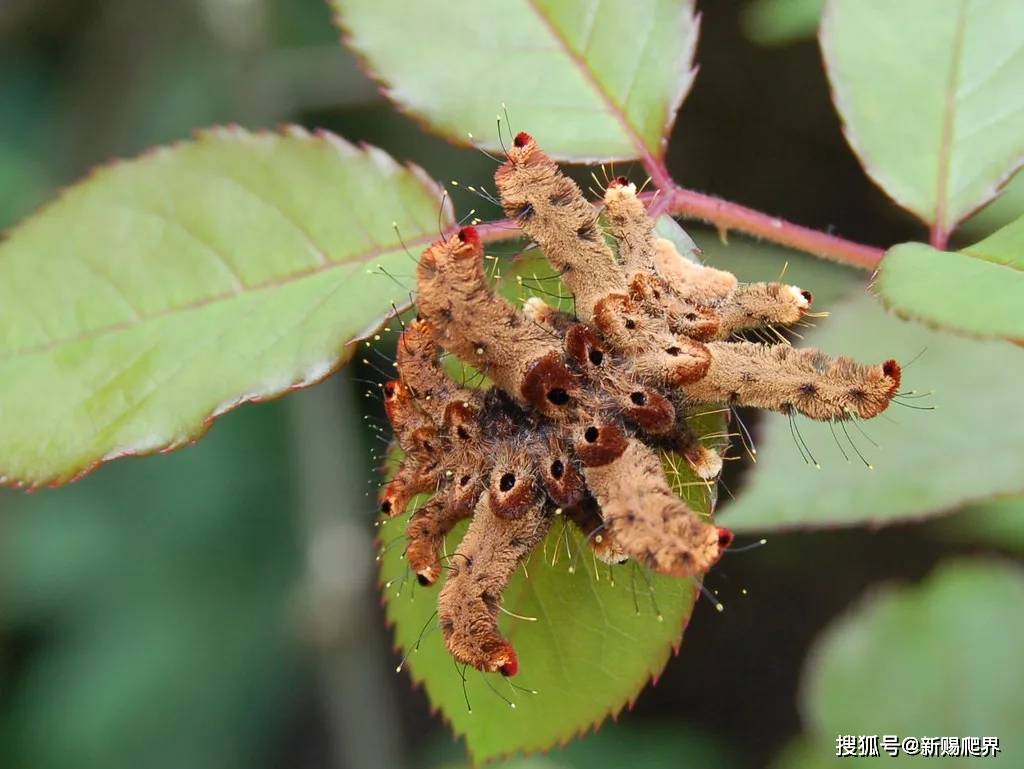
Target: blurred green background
{"x":216,"y":608}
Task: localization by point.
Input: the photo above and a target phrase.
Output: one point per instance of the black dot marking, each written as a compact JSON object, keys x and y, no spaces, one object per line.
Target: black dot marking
{"x":523,"y":212}
{"x":558,"y":396}
{"x":423,"y":579}
{"x":673,"y":351}
{"x":639,"y":398}
{"x":587,"y":231}
{"x":462,"y":432}
{"x":557,"y":469}
{"x":562,"y":197}
{"x":508,"y":480}
{"x":596,"y":356}
{"x":591,"y":434}
{"x":464,"y":480}
{"x":630,"y":324}
{"x":490,"y":601}
{"x":385,"y":506}
{"x":809,"y":389}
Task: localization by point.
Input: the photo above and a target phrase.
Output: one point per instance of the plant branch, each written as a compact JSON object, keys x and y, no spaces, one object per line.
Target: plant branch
{"x":731,"y":216}
{"x":938,"y":236}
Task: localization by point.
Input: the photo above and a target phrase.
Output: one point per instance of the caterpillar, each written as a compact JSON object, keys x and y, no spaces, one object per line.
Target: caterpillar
{"x":581,"y":405}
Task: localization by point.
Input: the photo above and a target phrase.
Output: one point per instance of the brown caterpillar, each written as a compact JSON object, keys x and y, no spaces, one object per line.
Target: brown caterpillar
{"x":581,"y":406}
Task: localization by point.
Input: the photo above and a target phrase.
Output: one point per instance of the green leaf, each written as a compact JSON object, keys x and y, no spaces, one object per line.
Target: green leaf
{"x":592,"y":81}
{"x":939,"y":658}
{"x":167,"y":290}
{"x":592,"y":639}
{"x":668,"y":744}
{"x":998,"y":523}
{"x":668,"y":228}
{"x":593,"y":636}
{"x":927,"y":462}
{"x":1000,"y":212}
{"x":978,"y":290}
{"x":780,"y":22}
{"x":929,"y":91}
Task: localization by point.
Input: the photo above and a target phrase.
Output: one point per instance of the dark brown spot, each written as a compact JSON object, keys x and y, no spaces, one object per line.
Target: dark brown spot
{"x":673,"y":351}
{"x":545,"y":375}
{"x":809,"y":390}
{"x":596,"y":356}
{"x":651,"y":411}
{"x":490,"y":601}
{"x":523,"y":212}
{"x":630,"y":324}
{"x":558,"y":396}
{"x":601,"y":445}
{"x":892,"y":370}
{"x":511,"y":497}
{"x":587,"y":231}
{"x":508,"y":480}
{"x":562,"y":196}
{"x":557,"y":469}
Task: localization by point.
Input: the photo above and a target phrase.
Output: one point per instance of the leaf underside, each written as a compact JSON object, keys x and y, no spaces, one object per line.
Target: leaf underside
{"x":925,"y":463}
{"x":163,"y":291}
{"x":981,"y":286}
{"x":864,"y":668}
{"x":929,"y":92}
{"x":592,"y":81}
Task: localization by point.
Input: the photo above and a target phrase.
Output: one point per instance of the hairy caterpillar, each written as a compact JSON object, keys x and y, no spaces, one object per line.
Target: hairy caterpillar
{"x":582,"y":405}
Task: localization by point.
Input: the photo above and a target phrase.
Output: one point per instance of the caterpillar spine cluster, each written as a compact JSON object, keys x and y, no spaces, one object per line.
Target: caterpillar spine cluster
{"x":582,"y":405}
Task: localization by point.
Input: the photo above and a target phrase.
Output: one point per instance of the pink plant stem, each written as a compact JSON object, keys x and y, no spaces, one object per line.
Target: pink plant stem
{"x":732,"y":216}
{"x":939,"y":237}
